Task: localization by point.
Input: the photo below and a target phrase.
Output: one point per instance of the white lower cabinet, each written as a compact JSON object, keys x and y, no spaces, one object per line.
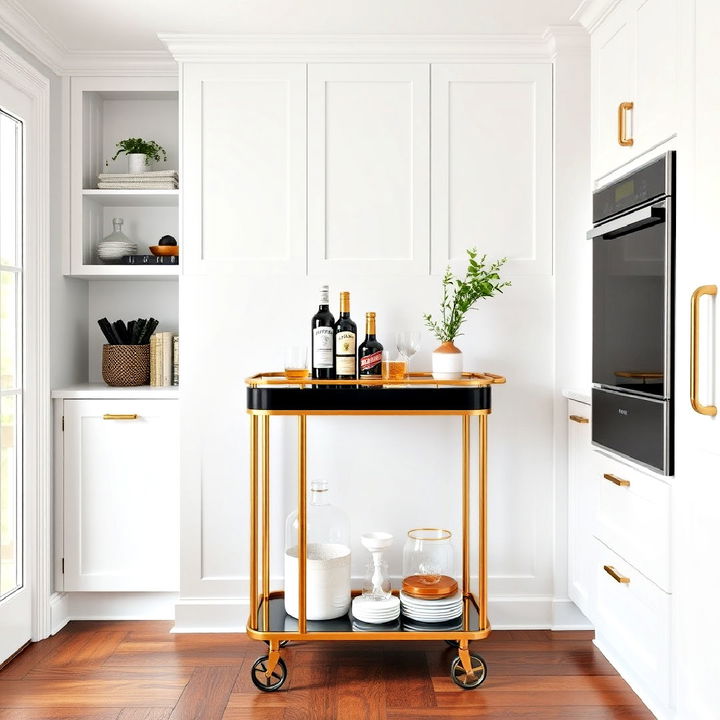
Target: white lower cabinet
{"x":120,"y":495}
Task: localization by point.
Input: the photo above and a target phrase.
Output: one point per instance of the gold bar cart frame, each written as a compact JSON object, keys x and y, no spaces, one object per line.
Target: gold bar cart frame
{"x":261,"y":595}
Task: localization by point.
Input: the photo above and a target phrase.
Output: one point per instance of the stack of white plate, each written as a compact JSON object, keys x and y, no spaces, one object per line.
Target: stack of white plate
{"x":112,"y":250}
{"x":432,"y":611}
{"x":367,"y":609}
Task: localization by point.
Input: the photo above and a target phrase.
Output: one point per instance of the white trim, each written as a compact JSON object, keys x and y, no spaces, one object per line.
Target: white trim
{"x":590,"y":13}
{"x":37,"y":433}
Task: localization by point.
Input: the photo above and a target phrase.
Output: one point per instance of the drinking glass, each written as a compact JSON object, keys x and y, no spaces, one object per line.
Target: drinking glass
{"x":393,"y":368}
{"x":296,"y":362}
{"x":408,"y":343}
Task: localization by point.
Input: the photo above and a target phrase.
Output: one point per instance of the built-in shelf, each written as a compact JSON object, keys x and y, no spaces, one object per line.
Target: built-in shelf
{"x":102,"y":391}
{"x":133,"y":198}
{"x":127,"y":272}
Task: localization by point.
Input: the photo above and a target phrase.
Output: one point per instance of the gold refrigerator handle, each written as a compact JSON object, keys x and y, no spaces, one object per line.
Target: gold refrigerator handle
{"x":623,"y":140}
{"x":697,"y":406}
{"x":615,"y":575}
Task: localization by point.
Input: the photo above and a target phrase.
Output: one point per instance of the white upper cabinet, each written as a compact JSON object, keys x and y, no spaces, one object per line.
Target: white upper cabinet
{"x":368,"y":168}
{"x":492,"y":164}
{"x":634,"y":67}
{"x":244,"y":167}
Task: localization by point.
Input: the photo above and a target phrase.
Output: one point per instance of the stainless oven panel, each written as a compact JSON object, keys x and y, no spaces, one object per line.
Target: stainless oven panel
{"x":635,"y":427}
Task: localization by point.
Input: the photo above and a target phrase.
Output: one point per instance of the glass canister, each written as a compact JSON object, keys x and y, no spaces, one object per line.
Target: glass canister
{"x":328,"y":558}
{"x":428,"y":557}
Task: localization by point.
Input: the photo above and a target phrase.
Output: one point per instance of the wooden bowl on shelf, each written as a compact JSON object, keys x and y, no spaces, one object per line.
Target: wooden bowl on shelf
{"x":164,"y":250}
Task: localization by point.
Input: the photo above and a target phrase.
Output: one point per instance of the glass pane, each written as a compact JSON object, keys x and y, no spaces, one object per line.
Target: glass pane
{"x":10,"y":496}
{"x":10,"y":190}
{"x":9,"y":330}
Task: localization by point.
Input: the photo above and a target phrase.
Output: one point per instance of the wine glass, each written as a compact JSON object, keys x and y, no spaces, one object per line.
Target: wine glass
{"x":408,"y":343}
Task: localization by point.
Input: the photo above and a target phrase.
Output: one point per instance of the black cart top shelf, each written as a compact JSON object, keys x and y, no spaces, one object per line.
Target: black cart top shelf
{"x":418,"y":394}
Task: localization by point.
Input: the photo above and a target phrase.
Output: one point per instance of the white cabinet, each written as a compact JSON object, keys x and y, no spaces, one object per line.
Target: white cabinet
{"x":244,"y":146}
{"x":120,"y":491}
{"x":634,"y":81}
{"x":491,"y":174}
{"x":581,"y":507}
{"x":368,"y":168}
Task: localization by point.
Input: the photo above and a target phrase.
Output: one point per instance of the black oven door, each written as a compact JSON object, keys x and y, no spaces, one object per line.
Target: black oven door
{"x":632,"y":302}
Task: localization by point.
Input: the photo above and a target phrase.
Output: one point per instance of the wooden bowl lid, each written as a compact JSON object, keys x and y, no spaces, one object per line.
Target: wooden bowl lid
{"x":418,"y":586}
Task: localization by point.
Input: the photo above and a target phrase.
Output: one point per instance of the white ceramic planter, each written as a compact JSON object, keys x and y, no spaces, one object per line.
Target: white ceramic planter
{"x":447,"y":362}
{"x":136,"y":163}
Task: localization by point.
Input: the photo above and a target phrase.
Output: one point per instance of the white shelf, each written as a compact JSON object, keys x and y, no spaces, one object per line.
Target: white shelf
{"x":133,"y":198}
{"x":126,"y":272}
{"x":102,"y":391}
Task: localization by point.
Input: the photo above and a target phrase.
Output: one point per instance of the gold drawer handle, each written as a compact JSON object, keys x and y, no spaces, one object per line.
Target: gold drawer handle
{"x":615,"y":575}
{"x":579,"y":419}
{"x":623,"y":139}
{"x":110,"y":416}
{"x":616,"y":480}
{"x":697,"y":406}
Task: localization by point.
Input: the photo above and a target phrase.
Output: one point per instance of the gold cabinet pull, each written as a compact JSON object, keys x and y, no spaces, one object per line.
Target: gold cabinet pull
{"x":615,"y":575}
{"x":579,"y":419}
{"x":616,"y":480}
{"x":623,"y":139}
{"x":111,"y":416}
{"x":697,"y":406}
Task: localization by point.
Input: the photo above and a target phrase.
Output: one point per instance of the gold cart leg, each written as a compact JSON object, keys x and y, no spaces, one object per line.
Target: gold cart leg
{"x":482,"y":569}
{"x":252,"y":622}
{"x":302,"y":522}
{"x":464,"y":653}
{"x":265,"y":480}
{"x":273,"y":657}
{"x":465,"y":514}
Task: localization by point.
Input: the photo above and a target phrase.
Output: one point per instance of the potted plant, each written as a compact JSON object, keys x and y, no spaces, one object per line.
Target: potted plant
{"x":459,"y":297}
{"x":139,"y":153}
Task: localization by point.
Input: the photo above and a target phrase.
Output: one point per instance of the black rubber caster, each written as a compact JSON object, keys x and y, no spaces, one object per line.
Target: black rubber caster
{"x":283,"y":643}
{"x":465,"y":680}
{"x":453,"y":643}
{"x":277,"y":677}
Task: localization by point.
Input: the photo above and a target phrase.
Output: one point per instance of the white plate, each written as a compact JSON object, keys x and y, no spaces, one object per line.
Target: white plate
{"x":436,"y":616}
{"x":421,"y":602}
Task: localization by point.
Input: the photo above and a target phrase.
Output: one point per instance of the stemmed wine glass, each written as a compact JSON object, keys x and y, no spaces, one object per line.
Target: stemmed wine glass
{"x":408,"y":343}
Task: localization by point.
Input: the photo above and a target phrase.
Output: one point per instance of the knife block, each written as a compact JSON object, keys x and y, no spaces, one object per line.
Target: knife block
{"x":126,"y":365}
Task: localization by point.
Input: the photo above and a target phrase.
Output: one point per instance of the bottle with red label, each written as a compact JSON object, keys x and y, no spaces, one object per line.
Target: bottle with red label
{"x":370,"y":352}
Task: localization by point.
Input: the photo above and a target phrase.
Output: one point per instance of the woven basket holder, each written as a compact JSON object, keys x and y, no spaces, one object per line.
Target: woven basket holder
{"x":126,"y":365}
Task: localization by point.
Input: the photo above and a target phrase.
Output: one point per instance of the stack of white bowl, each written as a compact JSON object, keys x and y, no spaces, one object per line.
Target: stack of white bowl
{"x":373,"y":610}
{"x":440,"y":610}
{"x":112,"y":251}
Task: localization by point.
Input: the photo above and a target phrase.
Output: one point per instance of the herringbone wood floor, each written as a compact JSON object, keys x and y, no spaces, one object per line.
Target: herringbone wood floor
{"x":138,"y":671}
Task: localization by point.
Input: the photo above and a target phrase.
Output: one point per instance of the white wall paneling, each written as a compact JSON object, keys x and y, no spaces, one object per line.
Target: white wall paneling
{"x":491,"y":168}
{"x":368,"y":168}
{"x":244,"y":168}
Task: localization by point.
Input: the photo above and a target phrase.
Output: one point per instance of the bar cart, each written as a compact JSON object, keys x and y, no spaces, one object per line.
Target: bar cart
{"x":418,"y":394}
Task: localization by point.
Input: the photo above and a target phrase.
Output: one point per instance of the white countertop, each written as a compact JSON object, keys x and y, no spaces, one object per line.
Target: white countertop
{"x":579,"y":395}
{"x":101,"y":391}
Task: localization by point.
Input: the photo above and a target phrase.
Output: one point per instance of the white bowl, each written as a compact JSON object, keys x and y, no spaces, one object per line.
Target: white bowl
{"x":374,"y":541}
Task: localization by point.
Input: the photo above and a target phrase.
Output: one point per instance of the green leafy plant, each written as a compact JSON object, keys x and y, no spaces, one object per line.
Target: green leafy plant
{"x":149,"y":148}
{"x":460,"y":294}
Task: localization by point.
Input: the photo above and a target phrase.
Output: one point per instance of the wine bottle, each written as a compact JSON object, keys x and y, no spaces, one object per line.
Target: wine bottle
{"x":370,"y":352}
{"x":345,"y":342}
{"x":323,"y":362}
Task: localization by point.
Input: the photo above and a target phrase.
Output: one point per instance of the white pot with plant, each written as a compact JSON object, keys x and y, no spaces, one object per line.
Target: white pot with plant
{"x":139,"y":154}
{"x":459,"y":297}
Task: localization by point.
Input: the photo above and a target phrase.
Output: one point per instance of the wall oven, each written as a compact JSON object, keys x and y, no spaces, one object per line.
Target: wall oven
{"x":633,"y":287}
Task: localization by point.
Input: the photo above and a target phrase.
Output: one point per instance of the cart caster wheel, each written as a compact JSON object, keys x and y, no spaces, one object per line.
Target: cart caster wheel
{"x":453,"y":643}
{"x":465,"y":680}
{"x":276,"y":679}
{"x":283,"y":643}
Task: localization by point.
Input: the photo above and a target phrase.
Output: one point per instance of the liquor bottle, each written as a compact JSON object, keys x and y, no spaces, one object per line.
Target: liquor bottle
{"x":345,"y":341}
{"x":322,"y":339}
{"x":370,"y":352}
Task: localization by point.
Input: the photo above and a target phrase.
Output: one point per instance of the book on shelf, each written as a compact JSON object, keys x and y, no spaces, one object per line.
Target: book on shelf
{"x":149,"y":260}
{"x":151,"y":180}
{"x":164,"y":359}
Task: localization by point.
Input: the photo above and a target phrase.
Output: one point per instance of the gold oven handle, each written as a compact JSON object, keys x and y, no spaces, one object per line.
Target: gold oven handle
{"x":616,"y":480}
{"x":110,"y":416}
{"x":697,"y":406}
{"x":615,"y":575}
{"x":579,"y":419}
{"x":623,"y":108}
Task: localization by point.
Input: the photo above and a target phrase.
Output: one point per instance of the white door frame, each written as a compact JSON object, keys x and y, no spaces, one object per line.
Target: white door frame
{"x":37,"y":415}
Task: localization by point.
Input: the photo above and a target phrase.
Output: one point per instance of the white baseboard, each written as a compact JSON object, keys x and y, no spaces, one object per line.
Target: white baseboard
{"x":193,"y":615}
{"x":567,"y":616}
{"x":59,"y":612}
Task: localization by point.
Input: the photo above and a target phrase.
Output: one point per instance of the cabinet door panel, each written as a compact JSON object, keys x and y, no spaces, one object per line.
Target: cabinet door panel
{"x":613,"y":60}
{"x":121,"y":486}
{"x":492,"y":164}
{"x":244,"y":167}
{"x":368,"y":168}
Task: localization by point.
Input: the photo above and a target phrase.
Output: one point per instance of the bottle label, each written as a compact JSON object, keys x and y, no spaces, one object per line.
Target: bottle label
{"x":345,"y":353}
{"x":369,"y":362}
{"x":322,"y":347}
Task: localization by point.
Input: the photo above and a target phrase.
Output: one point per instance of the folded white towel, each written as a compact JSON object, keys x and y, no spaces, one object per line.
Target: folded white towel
{"x":159,"y":185}
{"x":149,"y":174}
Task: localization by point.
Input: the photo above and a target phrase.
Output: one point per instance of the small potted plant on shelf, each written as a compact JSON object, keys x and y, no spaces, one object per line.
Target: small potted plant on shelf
{"x":459,"y":297}
{"x":139,"y":153}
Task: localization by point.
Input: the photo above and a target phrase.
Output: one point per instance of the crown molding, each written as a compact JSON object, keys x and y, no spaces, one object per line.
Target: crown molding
{"x":566,"y":39}
{"x":22,"y":27}
{"x":308,"y":48}
{"x":590,"y":13}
